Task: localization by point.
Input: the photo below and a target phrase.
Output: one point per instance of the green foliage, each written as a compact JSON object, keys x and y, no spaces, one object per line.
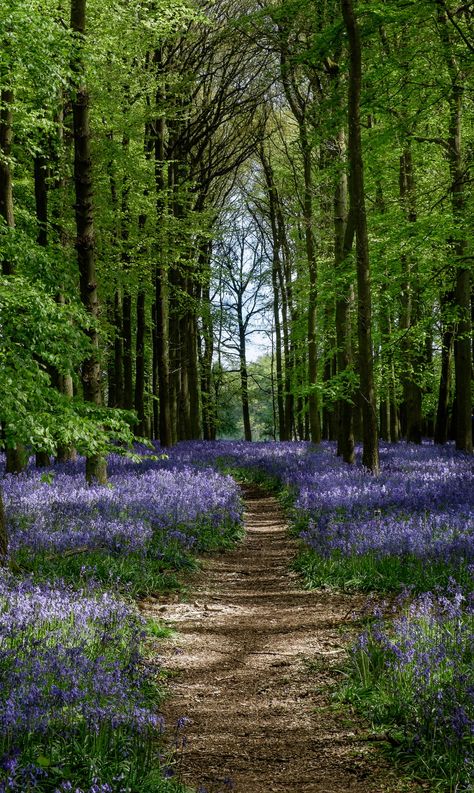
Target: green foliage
{"x":42,"y":339}
{"x":132,"y":575}
{"x":371,"y":573}
{"x":34,"y":63}
{"x":411,"y":677}
{"x":229,"y":408}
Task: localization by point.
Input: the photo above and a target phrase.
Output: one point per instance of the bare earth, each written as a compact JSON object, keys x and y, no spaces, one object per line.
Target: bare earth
{"x":255,"y":658}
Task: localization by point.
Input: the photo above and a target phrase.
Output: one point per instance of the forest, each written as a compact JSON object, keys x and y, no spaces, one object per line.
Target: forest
{"x":236,"y":246}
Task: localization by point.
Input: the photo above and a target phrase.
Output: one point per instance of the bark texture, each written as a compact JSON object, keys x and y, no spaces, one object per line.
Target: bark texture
{"x":96,"y":468}
{"x":370,"y":454}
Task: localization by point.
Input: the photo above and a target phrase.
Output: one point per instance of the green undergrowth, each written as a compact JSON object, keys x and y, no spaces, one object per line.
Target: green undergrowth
{"x":418,"y":709}
{"x":211,"y":540}
{"x":136,"y":574}
{"x":370,"y":573}
{"x":254,"y":476}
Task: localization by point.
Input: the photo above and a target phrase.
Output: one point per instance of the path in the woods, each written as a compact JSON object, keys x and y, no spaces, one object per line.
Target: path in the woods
{"x":255,"y":658}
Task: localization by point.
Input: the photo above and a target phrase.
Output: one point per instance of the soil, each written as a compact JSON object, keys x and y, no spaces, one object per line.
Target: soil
{"x":254,"y":663}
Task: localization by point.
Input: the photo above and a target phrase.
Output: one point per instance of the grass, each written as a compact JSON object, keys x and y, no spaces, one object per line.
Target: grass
{"x":414,"y":680}
{"x":371,"y":573}
{"x":134,"y":575}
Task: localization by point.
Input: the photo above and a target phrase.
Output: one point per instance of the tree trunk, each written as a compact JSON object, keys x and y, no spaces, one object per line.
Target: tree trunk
{"x":206,"y":345}
{"x":161,"y":269}
{"x":194,"y":376}
{"x":155,"y":376}
{"x":276,"y":271}
{"x":413,"y":359}
{"x":96,"y":468}
{"x":442,"y":412}
{"x":63,"y":383}
{"x":162,"y":293}
{"x":280,"y":405}
{"x":175,"y":388}
{"x":343,"y":241}
{"x":184,"y":352}
{"x":16,"y":459}
{"x":40,"y":167}
{"x":462,"y":340}
{"x":459,"y":176}
{"x":385,"y":333}
{"x":370,"y":455}
{"x":314,"y":420}
{"x":127,"y":351}
{"x":65,"y":386}
{"x":118,"y":358}
{"x":244,"y":378}
{"x":6,"y":187}
{"x":140,"y":364}
{"x":288,"y":314}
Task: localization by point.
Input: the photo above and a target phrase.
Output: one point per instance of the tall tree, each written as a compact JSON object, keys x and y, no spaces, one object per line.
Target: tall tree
{"x":96,"y":467}
{"x":370,"y":454}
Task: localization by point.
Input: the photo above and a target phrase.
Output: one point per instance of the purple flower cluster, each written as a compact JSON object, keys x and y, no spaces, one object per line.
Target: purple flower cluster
{"x":425,"y":664}
{"x":69,"y":661}
{"x":67,"y":658}
{"x":71,"y":670}
{"x":59,"y":512}
{"x":422,"y":504}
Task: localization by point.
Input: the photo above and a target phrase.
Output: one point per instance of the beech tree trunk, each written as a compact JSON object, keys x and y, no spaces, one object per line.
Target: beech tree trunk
{"x":127,"y":351}
{"x":16,"y":458}
{"x":96,"y":466}
{"x":314,"y":420}
{"x":65,"y":385}
{"x":206,"y":345}
{"x":462,"y":340}
{"x":162,"y":293}
{"x":442,"y":412}
{"x":412,"y":393}
{"x":276,"y":271}
{"x":459,"y":175}
{"x":6,"y":187}
{"x":155,"y":376}
{"x":288,"y":315}
{"x":118,"y":364}
{"x":370,"y":455}
{"x":194,"y":375}
{"x":140,"y":364}
{"x":40,"y":167}
{"x":244,"y":377}
{"x":343,"y":241}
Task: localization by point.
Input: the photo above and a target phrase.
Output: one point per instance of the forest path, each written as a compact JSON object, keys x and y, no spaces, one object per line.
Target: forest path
{"x":255,"y":657}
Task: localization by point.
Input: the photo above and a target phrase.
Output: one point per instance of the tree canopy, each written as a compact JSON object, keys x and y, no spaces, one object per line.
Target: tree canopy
{"x":176,"y":176}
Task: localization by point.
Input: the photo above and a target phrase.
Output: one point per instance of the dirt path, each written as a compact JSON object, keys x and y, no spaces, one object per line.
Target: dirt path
{"x":255,"y":658}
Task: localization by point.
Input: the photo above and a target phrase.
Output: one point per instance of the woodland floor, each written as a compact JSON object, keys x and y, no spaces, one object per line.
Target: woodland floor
{"x":255,"y":659}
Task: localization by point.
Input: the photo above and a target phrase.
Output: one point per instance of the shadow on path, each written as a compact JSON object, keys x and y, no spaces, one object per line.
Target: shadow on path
{"x":256,"y":657}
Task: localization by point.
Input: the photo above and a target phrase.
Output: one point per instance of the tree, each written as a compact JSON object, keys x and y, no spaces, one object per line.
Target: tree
{"x":96,"y":467}
{"x":243,"y":274}
{"x":370,"y":456}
